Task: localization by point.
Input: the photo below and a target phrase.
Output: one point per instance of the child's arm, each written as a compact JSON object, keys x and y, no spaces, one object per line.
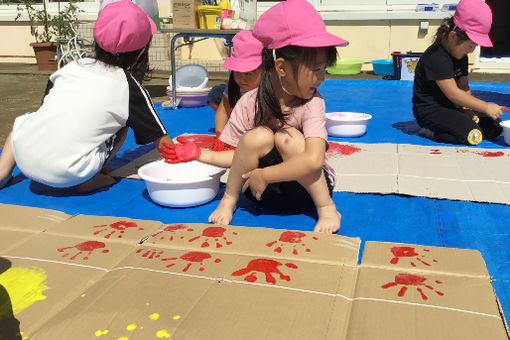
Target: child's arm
{"x":464,"y":98}
{"x":177,"y":153}
{"x":291,"y":169}
{"x":222,"y":114}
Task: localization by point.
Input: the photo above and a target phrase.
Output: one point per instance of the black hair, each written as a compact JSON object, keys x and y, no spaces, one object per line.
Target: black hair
{"x":135,"y":62}
{"x":268,"y":106}
{"x":447,"y":26}
{"x":234,"y":91}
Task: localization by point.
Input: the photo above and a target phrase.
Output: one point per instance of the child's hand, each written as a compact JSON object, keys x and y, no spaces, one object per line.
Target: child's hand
{"x":219,"y":145}
{"x":471,"y":114}
{"x":255,"y":180}
{"x":493,"y":110}
{"x":179,"y":153}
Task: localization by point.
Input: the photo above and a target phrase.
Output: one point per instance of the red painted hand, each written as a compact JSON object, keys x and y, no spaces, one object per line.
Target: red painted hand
{"x":179,"y":153}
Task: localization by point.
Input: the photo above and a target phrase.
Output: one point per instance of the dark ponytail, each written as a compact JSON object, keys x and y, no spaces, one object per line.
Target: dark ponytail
{"x":135,"y":62}
{"x":268,"y":107}
{"x":446,"y":27}
{"x":234,"y":91}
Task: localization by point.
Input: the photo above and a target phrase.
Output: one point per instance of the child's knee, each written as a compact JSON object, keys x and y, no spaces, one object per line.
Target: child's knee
{"x":258,"y":137}
{"x":289,"y":141}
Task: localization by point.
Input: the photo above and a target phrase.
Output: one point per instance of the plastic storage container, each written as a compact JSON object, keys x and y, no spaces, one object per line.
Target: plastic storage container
{"x":346,"y":66}
{"x":383,"y":67}
{"x":506,"y":130}
{"x":209,"y":17}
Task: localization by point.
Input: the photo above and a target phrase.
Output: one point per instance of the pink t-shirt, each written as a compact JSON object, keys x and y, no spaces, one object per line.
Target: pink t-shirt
{"x":309,"y":118}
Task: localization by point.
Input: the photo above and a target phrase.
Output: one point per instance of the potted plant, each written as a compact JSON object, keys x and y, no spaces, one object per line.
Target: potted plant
{"x":46,"y":28}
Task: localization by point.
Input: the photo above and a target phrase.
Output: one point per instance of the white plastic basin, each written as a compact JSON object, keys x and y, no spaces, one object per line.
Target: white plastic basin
{"x":506,"y":130}
{"x":182,"y":184}
{"x":189,"y":77}
{"x":347,"y":124}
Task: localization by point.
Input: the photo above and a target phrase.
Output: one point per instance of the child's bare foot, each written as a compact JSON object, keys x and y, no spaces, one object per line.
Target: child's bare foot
{"x":100,"y":180}
{"x":329,"y":219}
{"x":224,"y":211}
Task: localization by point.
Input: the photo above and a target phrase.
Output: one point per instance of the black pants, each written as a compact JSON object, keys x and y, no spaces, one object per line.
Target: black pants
{"x":285,"y":196}
{"x":454,"y":126}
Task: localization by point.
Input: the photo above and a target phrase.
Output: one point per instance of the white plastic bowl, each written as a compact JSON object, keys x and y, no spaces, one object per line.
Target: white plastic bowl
{"x":506,"y":130}
{"x":347,"y":124}
{"x":181,"y":184}
{"x":190,"y":76}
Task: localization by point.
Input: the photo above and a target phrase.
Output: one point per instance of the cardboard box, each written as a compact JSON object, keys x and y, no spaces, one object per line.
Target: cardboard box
{"x":203,"y":281}
{"x":185,"y":13}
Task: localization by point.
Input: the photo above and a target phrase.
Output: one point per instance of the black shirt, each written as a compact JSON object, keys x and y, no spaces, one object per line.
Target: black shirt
{"x":435,"y":64}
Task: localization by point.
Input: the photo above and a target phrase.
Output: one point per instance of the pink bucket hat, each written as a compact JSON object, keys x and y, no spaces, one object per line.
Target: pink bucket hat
{"x":246,"y":53}
{"x":122,"y":26}
{"x":294,"y":22}
{"x":475,"y":18}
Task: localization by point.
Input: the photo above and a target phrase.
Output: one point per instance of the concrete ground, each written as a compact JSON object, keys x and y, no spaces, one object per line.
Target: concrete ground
{"x":22,"y":87}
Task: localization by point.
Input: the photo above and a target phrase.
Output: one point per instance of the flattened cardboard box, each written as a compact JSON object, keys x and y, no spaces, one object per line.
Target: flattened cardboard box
{"x":200,"y":281}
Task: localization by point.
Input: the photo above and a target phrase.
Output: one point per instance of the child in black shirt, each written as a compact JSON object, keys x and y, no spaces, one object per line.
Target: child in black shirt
{"x":442,"y":102}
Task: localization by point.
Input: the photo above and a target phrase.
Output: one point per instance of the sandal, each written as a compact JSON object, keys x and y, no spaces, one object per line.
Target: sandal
{"x":6,"y":180}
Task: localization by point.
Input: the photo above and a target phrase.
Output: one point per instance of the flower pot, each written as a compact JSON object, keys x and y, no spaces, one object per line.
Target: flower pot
{"x":46,"y":55}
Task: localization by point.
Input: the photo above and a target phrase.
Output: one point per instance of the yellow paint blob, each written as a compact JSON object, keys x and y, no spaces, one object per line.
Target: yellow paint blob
{"x":100,"y":332}
{"x":154,"y":316}
{"x":147,"y":304}
{"x":25,"y":286}
{"x":82,"y":295}
{"x":162,"y":333}
{"x":177,"y":317}
{"x":131,"y":327}
{"x":123,"y":338}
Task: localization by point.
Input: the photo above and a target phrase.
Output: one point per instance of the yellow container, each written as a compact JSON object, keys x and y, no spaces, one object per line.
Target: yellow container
{"x":209,"y":17}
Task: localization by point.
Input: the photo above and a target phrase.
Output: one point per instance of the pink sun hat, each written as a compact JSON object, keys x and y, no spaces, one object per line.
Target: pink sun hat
{"x":122,"y":26}
{"x":475,"y":18}
{"x":246,"y":53}
{"x":294,"y":22}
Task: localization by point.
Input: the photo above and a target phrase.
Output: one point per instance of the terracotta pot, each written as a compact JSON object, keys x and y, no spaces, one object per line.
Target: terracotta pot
{"x":46,"y":55}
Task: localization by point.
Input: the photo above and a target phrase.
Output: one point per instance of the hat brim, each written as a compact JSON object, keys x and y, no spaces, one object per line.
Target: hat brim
{"x":241,"y":65}
{"x":480,"y":39}
{"x":154,"y":28}
{"x":322,"y":40}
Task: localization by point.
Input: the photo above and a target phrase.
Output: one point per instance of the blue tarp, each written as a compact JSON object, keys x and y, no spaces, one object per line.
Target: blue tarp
{"x":371,"y":217}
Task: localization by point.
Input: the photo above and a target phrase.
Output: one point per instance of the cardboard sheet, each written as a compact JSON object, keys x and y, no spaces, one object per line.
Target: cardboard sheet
{"x":202,"y":281}
{"x":457,"y":173}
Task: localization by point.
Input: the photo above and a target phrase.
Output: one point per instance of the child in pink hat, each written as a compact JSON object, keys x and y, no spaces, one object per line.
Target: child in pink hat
{"x":244,"y":65}
{"x":87,"y":109}
{"x":442,"y":101}
{"x":279,"y":128}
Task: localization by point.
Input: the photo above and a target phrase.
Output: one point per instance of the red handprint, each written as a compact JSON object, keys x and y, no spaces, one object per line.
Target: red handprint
{"x":213,"y":232}
{"x":407,"y":280}
{"x":290,"y":237}
{"x":88,"y":247}
{"x":191,"y":257}
{"x":266,"y":266}
{"x":399,"y":252}
{"x":119,"y":226}
{"x":172,"y":229}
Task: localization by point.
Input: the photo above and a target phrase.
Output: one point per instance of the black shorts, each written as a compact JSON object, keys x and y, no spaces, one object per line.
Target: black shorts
{"x":285,"y":196}
{"x":454,"y":126}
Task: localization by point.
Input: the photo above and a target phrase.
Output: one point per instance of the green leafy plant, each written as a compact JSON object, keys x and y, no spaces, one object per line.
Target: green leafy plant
{"x":45,"y":27}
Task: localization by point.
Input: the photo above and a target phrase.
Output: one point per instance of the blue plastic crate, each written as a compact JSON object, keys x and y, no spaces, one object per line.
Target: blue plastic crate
{"x":383,"y":67}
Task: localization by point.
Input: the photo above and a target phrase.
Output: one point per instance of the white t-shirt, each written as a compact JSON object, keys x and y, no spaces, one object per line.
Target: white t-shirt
{"x":66,"y":141}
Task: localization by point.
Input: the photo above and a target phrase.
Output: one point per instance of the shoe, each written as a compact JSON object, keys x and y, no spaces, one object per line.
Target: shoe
{"x":6,"y":180}
{"x":426,"y":133}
